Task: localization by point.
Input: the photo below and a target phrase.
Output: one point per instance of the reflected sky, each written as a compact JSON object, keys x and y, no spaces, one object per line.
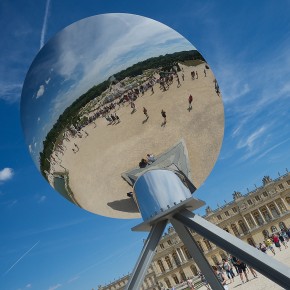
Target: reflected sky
{"x":83,"y":55}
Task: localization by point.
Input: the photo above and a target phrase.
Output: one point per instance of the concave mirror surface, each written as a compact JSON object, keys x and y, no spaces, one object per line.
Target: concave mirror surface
{"x":105,"y":92}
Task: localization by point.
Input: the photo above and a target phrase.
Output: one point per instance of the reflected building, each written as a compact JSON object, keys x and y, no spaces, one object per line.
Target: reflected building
{"x":251,"y":217}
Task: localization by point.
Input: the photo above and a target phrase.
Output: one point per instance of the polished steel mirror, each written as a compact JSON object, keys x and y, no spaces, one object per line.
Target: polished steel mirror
{"x":112,"y":96}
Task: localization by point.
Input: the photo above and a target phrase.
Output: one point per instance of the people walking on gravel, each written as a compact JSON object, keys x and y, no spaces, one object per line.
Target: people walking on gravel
{"x":145,"y":112}
{"x":189,"y":102}
{"x":163,"y":114}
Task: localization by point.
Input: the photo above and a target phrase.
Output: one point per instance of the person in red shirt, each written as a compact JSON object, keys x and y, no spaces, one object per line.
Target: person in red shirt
{"x":276,"y":241}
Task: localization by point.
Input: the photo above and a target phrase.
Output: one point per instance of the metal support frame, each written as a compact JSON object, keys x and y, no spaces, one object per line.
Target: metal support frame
{"x":197,"y":254}
{"x":146,"y":256}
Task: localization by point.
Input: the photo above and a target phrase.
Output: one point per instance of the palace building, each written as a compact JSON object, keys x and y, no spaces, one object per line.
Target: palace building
{"x":251,"y":217}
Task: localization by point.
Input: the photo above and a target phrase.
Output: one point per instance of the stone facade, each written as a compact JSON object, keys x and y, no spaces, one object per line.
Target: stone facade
{"x":251,"y":217}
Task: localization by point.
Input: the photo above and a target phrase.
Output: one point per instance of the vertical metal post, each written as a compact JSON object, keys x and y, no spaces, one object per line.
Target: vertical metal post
{"x":146,"y":256}
{"x":197,"y":254}
{"x":266,"y":265}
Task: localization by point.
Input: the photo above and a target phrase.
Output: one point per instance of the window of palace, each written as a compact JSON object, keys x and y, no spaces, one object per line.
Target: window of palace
{"x":161,"y":246}
{"x":280,"y":205}
{"x":208,"y":244}
{"x":182,"y":275}
{"x":242,"y":226}
{"x":249,"y":202}
{"x":274,"y":229}
{"x":227,"y":213}
{"x":215,"y":260}
{"x":273,"y":210}
{"x":265,"y":214}
{"x":266,"y":234}
{"x":234,"y":209}
{"x":226,"y":229}
{"x":282,"y":226}
{"x":287,"y":199}
{"x":251,"y":242}
{"x":193,"y":270}
{"x":219,"y":217}
{"x":249,"y":220}
{"x":169,"y":242}
{"x":176,"y":259}
{"x":200,"y":246}
{"x":288,"y":182}
{"x":235,"y":230}
{"x":168,"y":283}
{"x":258,"y":218}
{"x":223,"y":255}
{"x":265,"y":194}
{"x":281,"y":186}
{"x":176,"y":281}
{"x":161,"y":266}
{"x":187,"y":254}
{"x":257,"y":198}
{"x":169,"y":264}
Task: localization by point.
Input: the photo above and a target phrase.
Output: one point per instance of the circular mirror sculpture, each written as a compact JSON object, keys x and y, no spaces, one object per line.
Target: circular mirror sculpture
{"x":113,"y":96}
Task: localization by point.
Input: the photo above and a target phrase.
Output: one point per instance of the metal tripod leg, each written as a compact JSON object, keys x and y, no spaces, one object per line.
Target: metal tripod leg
{"x":266,"y":265}
{"x":146,"y":256}
{"x":197,"y":254}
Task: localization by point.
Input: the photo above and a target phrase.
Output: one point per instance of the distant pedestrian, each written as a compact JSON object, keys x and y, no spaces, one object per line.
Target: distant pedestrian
{"x":282,"y":240}
{"x":182,"y":75}
{"x":143,"y":163}
{"x":76,"y":146}
{"x":276,"y":241}
{"x":133,"y":107}
{"x":150,"y":158}
{"x":178,"y":82}
{"x":204,"y":71}
{"x":229,"y":271}
{"x":269,"y":244}
{"x":263,"y":247}
{"x":190,"y":284}
{"x":221,"y":277}
{"x":196,"y":75}
{"x":192,"y":75}
{"x":163,"y":114}
{"x":242,"y":268}
{"x":189,"y":102}
{"x":145,"y":112}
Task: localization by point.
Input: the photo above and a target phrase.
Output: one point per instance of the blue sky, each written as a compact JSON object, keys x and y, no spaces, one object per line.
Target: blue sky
{"x":85,"y":54}
{"x":47,"y":243}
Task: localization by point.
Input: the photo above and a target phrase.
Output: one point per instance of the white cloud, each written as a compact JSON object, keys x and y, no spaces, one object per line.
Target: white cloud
{"x":47,"y":81}
{"x":40,"y":91}
{"x":28,"y":286}
{"x":10,"y":92}
{"x":41,"y":199}
{"x":6,"y":174}
{"x":44,"y":26}
{"x":250,"y":140}
{"x":54,"y":287}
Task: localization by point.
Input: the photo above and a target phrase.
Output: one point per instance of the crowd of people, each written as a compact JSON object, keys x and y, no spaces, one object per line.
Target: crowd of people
{"x":275,"y":241}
